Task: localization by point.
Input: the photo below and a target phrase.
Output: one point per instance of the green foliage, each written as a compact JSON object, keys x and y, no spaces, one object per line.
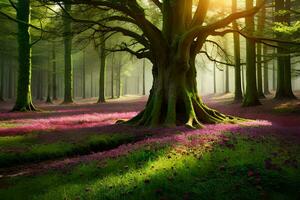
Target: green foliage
{"x":287,"y":29}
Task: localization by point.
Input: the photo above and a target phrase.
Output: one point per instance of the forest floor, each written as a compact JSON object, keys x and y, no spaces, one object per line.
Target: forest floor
{"x":77,"y":152}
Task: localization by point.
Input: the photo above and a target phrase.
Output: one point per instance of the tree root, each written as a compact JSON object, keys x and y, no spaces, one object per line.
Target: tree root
{"x":25,"y":108}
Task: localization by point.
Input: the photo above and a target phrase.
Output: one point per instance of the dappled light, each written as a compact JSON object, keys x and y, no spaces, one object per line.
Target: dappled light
{"x":149,"y":100}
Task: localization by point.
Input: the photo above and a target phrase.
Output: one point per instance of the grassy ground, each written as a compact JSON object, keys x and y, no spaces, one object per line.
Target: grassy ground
{"x":240,"y":168}
{"x":76,"y":152}
{"x":16,"y":150}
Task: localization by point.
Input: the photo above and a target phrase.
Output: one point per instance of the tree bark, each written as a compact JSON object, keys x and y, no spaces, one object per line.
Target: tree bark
{"x":215,"y":79}
{"x":54,"y":75}
{"x":68,"y":96}
{"x":102,"y":54}
{"x":112,"y":75}
{"x":144,"y":77}
{"x":259,"y":72}
{"x":266,"y":71}
{"x":1,"y":78}
{"x":238,"y":95}
{"x":284,"y":85}
{"x":119,"y":79}
{"x":49,"y":81}
{"x":251,"y":95}
{"x":24,"y":98}
{"x":83,"y":73}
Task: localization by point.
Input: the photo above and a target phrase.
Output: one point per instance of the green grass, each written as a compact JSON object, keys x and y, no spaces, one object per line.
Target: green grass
{"x":172,"y":172}
{"x":25,"y":149}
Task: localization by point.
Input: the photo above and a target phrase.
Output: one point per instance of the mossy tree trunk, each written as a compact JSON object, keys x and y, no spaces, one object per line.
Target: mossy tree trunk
{"x":251,"y":95}
{"x":284,"y":82}
{"x":102,"y":53}
{"x":24,"y":98}
{"x":68,"y":96}
{"x":54,"y":75}
{"x":174,"y":98}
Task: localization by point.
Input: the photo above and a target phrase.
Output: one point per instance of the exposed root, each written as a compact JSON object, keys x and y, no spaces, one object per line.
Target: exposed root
{"x":25,"y":108}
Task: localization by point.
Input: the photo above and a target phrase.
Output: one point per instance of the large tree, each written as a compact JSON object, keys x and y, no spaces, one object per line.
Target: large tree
{"x":172,"y":48}
{"x":284,"y":85}
{"x":68,"y":96}
{"x":24,"y":98}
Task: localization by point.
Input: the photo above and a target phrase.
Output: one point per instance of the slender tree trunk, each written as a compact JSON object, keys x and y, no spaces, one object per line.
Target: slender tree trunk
{"x":119,"y":79}
{"x":274,"y":73}
{"x":54,"y":75}
{"x":24,"y":99}
{"x":238,"y":95}
{"x":41,"y":85}
{"x":259,"y":71}
{"x":49,"y":80}
{"x":144,"y":77}
{"x":102,"y":54}
{"x":266,"y":71}
{"x":215,"y":80}
{"x":287,"y":60}
{"x":260,"y":30}
{"x":112,"y":75}
{"x":251,"y":96}
{"x":68,"y":97}
{"x":1,"y":78}
{"x":92,"y":85}
{"x":227,"y":79}
{"x":279,"y":5}
{"x":83,"y":73}
{"x":284,"y":85}
{"x":10,"y":81}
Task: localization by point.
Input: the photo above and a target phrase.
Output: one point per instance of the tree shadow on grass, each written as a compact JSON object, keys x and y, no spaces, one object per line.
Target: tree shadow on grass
{"x":165,"y":173}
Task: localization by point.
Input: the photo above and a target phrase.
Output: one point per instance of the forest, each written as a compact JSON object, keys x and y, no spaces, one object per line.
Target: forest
{"x":149,"y":99}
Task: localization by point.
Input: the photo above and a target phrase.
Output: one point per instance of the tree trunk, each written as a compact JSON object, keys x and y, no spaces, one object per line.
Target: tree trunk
{"x":287,"y":60}
{"x":227,"y":79}
{"x":238,"y":95}
{"x":102,"y":54}
{"x":144,"y":77}
{"x":251,"y":95}
{"x":1,"y":78}
{"x":83,"y":74}
{"x":41,"y":84}
{"x":54,"y":75}
{"x":284,"y":85}
{"x":49,"y":86}
{"x":68,"y":97}
{"x":215,"y":80}
{"x":112,"y":75}
{"x":266,"y":70}
{"x":174,"y":99}
{"x":260,"y":30}
{"x":259,"y":71}
{"x":119,"y":79}
{"x":24,"y":99}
